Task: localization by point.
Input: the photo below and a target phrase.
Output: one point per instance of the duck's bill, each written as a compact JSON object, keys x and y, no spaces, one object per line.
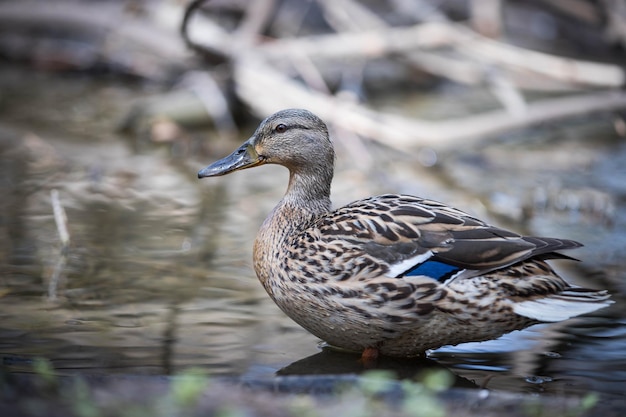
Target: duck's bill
{"x":244,"y":157}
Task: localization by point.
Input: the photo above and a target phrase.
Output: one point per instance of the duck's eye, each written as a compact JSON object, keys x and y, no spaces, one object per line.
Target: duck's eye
{"x":281,"y":128}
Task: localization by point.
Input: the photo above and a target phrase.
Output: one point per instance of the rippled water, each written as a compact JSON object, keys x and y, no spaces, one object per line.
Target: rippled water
{"x":158,"y":277}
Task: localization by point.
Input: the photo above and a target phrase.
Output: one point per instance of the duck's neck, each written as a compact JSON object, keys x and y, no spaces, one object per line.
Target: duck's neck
{"x":306,"y":199}
{"x":308,"y":193}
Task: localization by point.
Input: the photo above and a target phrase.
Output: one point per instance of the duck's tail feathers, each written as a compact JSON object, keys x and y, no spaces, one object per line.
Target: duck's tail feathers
{"x":571,"y":302}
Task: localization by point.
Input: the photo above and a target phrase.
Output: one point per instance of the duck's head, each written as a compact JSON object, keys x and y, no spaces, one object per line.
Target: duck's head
{"x":294,"y":138}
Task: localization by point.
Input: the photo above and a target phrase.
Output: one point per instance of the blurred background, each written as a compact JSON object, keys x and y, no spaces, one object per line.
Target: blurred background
{"x":116,"y":259}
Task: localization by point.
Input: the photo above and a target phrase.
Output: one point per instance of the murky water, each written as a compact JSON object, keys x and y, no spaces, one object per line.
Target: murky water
{"x":158,"y":278}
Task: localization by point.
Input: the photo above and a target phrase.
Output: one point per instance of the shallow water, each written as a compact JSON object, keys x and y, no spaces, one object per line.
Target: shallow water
{"x":158,"y":278}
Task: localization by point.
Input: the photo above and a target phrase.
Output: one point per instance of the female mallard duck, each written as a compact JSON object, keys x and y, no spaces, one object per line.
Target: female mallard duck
{"x":392,"y":274}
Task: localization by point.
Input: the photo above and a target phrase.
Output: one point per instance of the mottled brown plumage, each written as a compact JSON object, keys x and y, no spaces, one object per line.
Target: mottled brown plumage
{"x":394,"y":273}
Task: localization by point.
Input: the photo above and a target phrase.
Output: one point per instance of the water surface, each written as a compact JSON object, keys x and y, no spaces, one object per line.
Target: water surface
{"x":157,"y":277}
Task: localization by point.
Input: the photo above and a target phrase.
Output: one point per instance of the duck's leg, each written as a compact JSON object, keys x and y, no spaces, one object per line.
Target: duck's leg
{"x":369,"y":357}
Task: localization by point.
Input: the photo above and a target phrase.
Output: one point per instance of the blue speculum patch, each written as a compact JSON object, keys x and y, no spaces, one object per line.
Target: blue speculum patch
{"x":433,"y":269}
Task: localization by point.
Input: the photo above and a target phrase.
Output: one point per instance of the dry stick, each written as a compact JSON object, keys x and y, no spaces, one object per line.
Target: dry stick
{"x":257,"y":15}
{"x":498,"y":81}
{"x":467,"y":46}
{"x":486,"y":17}
{"x":204,"y":36}
{"x":569,"y":70}
{"x":451,"y":67}
{"x":474,"y":51}
{"x":341,"y":15}
{"x":60,"y":218}
{"x":582,"y":10}
{"x":254,"y":78}
{"x":507,"y":93}
{"x":366,"y":44}
{"x":350,"y":16}
{"x":615,"y":12}
{"x":204,"y":86}
{"x":308,"y":71}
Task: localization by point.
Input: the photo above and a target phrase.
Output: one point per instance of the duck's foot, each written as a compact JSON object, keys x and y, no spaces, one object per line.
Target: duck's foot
{"x":369,"y":357}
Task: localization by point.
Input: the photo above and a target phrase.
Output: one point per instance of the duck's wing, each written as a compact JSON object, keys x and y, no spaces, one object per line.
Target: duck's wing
{"x":409,"y":236}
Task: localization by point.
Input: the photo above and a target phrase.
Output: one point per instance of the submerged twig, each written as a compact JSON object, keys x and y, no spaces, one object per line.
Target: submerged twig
{"x":60,"y":218}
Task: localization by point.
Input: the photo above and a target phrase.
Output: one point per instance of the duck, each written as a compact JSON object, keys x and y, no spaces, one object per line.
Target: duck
{"x":393,"y":275}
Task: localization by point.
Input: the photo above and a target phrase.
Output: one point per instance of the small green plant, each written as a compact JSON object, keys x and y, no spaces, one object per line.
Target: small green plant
{"x":586,"y":403}
{"x":437,"y":380}
{"x":589,"y":401}
{"x":231,"y":411}
{"x":80,"y":399}
{"x":187,"y":387}
{"x":420,"y":398}
{"x":45,"y":371}
{"x":303,"y":406}
{"x":377,"y":382}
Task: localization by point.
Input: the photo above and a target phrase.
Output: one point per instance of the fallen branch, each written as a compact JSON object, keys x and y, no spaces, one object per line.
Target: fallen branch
{"x":504,"y":67}
{"x":254,"y":78}
{"x":469,"y":47}
{"x":366,"y":44}
{"x":567,"y":70}
{"x":468,"y":57}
